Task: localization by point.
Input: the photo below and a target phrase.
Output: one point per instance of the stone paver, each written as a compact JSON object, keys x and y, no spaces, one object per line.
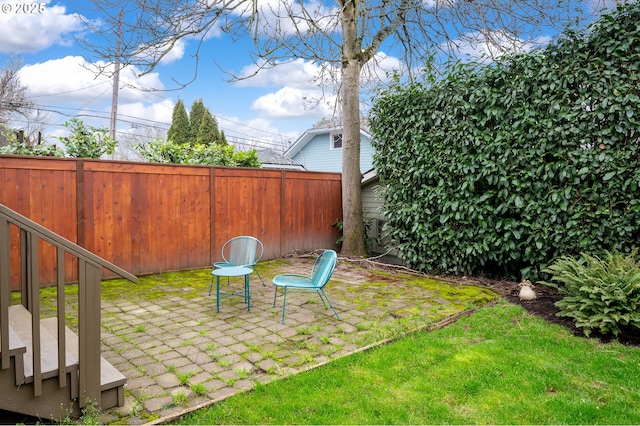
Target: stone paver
{"x":154,"y":343}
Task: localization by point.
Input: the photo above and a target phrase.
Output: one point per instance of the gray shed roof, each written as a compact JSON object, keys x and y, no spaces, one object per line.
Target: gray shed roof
{"x":270,"y":159}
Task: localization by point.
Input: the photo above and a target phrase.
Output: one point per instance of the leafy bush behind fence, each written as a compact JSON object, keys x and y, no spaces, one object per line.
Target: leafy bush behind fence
{"x":502,"y":169}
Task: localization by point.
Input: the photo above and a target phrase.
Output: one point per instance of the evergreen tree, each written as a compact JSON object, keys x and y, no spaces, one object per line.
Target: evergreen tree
{"x":179,"y":130}
{"x":223,"y":138}
{"x":195,"y":119}
{"x":208,"y":133}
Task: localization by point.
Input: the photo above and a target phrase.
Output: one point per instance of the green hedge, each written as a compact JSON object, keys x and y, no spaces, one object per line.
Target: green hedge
{"x":503,"y":168}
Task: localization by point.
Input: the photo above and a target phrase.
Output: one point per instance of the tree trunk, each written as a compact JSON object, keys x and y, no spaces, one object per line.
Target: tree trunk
{"x":352,"y":216}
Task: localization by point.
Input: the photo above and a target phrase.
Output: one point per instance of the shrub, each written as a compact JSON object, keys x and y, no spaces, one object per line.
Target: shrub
{"x":87,"y":141}
{"x":23,"y":147}
{"x":214,"y":154}
{"x":501,"y":169}
{"x":600,"y":295}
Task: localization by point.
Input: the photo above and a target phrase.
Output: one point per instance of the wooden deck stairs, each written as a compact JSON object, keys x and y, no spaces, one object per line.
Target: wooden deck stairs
{"x":46,"y":369}
{"x":57,"y":402}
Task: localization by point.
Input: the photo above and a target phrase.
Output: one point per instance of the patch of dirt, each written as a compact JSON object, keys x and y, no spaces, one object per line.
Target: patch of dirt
{"x":542,"y":306}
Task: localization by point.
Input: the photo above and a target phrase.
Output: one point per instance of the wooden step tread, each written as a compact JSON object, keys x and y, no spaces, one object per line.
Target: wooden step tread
{"x":110,"y":377}
{"x":20,"y":320}
{"x":16,"y":345}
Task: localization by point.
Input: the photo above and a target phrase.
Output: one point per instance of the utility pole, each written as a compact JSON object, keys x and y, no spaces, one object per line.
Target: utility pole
{"x":116,"y":80}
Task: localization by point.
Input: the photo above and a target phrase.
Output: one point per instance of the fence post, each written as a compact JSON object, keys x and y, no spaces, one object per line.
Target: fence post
{"x":89,"y":277}
{"x":5,"y":289}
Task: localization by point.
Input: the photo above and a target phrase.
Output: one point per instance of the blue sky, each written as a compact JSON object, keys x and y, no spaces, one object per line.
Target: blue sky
{"x":264,"y":110}
{"x":267,"y":110}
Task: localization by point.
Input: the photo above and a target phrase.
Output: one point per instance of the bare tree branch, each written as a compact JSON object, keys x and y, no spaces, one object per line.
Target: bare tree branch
{"x":13,"y":95}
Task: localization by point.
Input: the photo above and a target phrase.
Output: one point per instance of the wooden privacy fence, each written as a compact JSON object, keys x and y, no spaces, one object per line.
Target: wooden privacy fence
{"x":152,"y":218}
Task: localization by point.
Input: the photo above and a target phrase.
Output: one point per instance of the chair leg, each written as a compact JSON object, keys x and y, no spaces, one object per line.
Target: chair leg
{"x":217,"y":293}
{"x":322,"y":298}
{"x":247,"y":291}
{"x":259,"y":276}
{"x":330,"y":305}
{"x":284,"y":303}
{"x":211,"y":285}
{"x":274,"y":297}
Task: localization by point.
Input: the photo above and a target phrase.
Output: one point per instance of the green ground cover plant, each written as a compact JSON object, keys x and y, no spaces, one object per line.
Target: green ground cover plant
{"x":600,"y":294}
{"x":497,"y":366}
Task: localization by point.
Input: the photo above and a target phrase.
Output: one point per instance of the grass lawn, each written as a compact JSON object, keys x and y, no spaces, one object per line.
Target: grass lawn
{"x":497,"y":366}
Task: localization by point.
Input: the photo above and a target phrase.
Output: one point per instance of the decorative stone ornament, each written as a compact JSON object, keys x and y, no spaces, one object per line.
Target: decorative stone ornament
{"x":526,"y":290}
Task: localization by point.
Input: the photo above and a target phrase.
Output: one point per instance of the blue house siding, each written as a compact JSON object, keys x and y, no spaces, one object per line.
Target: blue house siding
{"x":318,"y":154}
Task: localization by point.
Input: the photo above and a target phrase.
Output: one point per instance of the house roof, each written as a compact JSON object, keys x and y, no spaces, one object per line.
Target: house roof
{"x":369,"y":176}
{"x":308,"y":135}
{"x":270,"y":159}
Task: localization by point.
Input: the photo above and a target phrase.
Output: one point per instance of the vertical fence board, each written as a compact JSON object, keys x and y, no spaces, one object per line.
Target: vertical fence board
{"x":10,"y":198}
{"x":122,"y":218}
{"x":175,"y":201}
{"x":66,"y":221}
{"x":140,"y":226}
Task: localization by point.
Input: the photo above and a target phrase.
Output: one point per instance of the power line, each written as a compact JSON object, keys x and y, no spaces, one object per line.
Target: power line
{"x":247,"y":141}
{"x":284,"y":140}
{"x":146,"y":93}
{"x":70,"y":91}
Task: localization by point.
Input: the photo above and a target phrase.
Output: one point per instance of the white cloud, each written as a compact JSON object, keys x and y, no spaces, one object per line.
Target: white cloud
{"x":378,"y":69}
{"x":73,"y":80}
{"x":493,"y":44}
{"x":32,"y":32}
{"x":256,"y":133}
{"x":138,"y":114}
{"x":63,"y":80}
{"x":69,"y":87}
{"x":299,"y":92}
{"x":290,"y":102}
{"x":297,"y":73}
{"x":303,"y":74}
{"x":176,"y":53}
{"x":172,"y":51}
{"x":288,"y":17}
{"x":296,"y":94}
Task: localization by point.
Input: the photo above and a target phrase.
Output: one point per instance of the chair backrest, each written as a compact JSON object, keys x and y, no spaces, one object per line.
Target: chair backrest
{"x":323,"y":268}
{"x":242,"y":251}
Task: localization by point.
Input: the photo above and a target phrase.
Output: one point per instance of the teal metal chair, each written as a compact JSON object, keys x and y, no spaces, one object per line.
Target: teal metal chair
{"x":240,"y":251}
{"x":320,"y":275}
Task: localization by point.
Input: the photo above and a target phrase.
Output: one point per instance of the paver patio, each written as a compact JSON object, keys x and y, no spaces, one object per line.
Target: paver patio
{"x":179,"y":354}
